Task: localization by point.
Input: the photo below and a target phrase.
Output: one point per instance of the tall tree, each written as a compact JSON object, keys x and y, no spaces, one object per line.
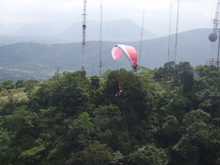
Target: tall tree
{"x":199,"y":143}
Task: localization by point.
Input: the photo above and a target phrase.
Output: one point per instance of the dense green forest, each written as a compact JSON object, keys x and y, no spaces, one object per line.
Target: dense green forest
{"x":166,"y":116}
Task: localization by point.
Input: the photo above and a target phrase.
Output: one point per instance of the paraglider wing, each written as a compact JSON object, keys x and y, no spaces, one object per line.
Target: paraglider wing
{"x":116,"y":53}
{"x":129,"y":52}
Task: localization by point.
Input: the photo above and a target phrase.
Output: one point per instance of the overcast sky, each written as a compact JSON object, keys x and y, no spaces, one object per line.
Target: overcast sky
{"x":193,"y":14}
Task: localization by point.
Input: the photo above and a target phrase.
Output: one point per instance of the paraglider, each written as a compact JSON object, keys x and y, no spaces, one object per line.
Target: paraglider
{"x":129,"y":52}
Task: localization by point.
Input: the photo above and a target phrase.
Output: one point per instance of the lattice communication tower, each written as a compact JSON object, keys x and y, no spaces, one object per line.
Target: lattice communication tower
{"x":83,"y":35}
{"x":100,"y":41}
{"x":214,"y":36}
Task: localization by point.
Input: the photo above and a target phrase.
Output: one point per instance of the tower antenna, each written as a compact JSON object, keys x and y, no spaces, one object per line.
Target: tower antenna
{"x":177,"y":24}
{"x":142,"y":32}
{"x":83,"y":35}
{"x":100,"y":42}
{"x":214,"y":36}
{"x":169,"y":31}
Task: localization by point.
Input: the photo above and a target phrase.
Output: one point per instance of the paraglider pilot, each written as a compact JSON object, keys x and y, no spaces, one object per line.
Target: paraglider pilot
{"x":119,"y":93}
{"x":134,"y":68}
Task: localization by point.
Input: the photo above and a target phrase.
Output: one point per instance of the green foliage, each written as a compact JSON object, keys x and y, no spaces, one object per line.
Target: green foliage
{"x":29,"y":85}
{"x":73,"y":119}
{"x":180,"y":74}
{"x":21,"y":119}
{"x":68,"y":91}
{"x":5,"y":140}
{"x":8,"y":107}
{"x":107,"y":117}
{"x":105,"y":74}
{"x":94,"y":154}
{"x":207,"y":89}
{"x":117,"y":158}
{"x":33,"y":152}
{"x":206,"y":70}
{"x":149,"y":155}
{"x":84,"y":120}
{"x":147,"y":78}
{"x":199,"y":144}
{"x":19,"y":83}
{"x":170,"y":126}
{"x":95,"y":82}
{"x":6,"y":85}
{"x":165,"y":73}
{"x":135,"y":104}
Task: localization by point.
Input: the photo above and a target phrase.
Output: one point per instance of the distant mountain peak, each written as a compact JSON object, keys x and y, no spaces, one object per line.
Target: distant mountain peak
{"x":118,"y":30}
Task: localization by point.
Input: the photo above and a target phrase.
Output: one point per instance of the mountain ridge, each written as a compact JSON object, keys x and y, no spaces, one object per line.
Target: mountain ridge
{"x":120,"y":30}
{"x":43,"y":59}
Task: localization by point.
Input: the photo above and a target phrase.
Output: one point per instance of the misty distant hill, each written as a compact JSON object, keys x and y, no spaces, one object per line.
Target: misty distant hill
{"x":11,"y":28}
{"x":40,"y":60}
{"x":34,"y":30}
{"x":119,"y":30}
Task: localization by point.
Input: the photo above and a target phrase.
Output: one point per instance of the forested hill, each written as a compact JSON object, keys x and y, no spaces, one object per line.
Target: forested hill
{"x":164,"y":117}
{"x":38,"y":61}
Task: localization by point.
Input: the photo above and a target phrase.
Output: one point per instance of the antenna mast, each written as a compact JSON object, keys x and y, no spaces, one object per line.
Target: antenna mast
{"x":142,"y":28}
{"x":177,"y":24}
{"x":100,"y":46}
{"x":83,"y":35}
{"x":214,"y":36}
{"x":169,"y":31}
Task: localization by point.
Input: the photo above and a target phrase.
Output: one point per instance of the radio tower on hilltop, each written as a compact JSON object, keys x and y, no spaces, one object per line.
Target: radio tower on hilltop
{"x":214,"y":57}
{"x":100,"y":42}
{"x":83,"y":35}
{"x":176,"y":39}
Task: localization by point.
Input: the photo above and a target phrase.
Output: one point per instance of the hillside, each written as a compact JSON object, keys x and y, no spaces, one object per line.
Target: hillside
{"x":42,"y":60}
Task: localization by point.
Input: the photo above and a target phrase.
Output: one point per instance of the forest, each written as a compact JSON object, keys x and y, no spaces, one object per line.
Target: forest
{"x":169,"y":115}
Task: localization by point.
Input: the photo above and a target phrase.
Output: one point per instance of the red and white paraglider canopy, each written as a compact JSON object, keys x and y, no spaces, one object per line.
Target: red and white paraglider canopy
{"x":129,"y":52}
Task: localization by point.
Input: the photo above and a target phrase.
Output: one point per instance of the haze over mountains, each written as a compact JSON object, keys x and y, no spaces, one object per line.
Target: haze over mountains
{"x":119,"y":30}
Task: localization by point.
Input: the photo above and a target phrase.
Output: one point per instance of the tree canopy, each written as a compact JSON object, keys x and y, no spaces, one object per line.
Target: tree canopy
{"x":166,"y":116}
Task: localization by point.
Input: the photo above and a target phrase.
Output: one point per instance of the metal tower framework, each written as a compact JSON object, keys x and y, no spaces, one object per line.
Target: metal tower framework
{"x":170,"y":21}
{"x":176,"y":39}
{"x":83,"y":35}
{"x":142,"y":32}
{"x":100,"y":41}
{"x":214,"y":57}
